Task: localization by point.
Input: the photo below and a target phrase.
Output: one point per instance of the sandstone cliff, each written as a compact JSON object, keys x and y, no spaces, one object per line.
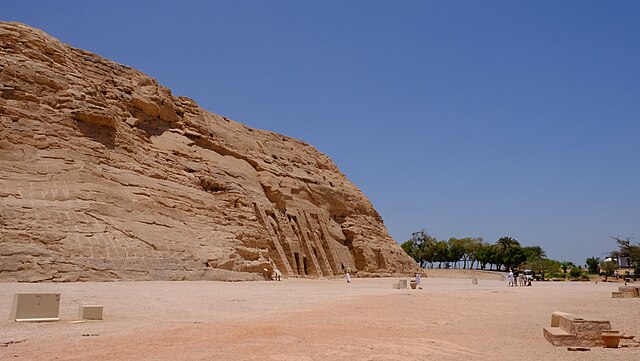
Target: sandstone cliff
{"x":106,"y":175}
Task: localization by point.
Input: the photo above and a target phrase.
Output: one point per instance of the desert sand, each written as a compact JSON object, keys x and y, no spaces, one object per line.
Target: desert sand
{"x":300,"y":319}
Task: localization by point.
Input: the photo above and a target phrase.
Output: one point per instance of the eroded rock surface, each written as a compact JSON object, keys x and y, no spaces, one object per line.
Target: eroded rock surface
{"x":105,"y":175}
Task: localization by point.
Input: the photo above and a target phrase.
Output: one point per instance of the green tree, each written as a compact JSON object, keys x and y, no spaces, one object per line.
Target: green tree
{"x":483,"y":254}
{"x":457,"y":250}
{"x":507,"y":252}
{"x":513,"y":257}
{"x":465,"y":244}
{"x":474,"y":247}
{"x":505,"y":243}
{"x":565,"y":265}
{"x":575,"y":272}
{"x":592,"y":264}
{"x":543,"y":266}
{"x":412,"y":250}
{"x":534,"y":252}
{"x":441,"y":252}
{"x":429,"y":251}
{"x":607,"y":268}
{"x":420,"y":247}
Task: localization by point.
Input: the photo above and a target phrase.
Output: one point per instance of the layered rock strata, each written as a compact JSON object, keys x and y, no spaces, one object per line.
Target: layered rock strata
{"x":105,"y":175}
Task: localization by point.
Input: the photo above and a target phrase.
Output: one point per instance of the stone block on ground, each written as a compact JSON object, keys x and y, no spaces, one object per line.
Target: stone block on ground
{"x":568,"y":330}
{"x":35,"y":307}
{"x":90,"y":312}
{"x":630,"y":291}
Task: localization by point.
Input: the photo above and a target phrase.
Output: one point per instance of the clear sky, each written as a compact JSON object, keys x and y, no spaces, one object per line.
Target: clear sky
{"x":463,"y":118}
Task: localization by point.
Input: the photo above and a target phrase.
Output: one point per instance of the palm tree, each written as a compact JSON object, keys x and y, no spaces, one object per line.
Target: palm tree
{"x":566,"y":265}
{"x":534,"y":252}
{"x":505,"y":247}
{"x":592,"y":264}
{"x":505,"y":243}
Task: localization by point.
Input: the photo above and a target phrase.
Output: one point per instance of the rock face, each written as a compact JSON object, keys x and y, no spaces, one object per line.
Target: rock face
{"x":105,"y":175}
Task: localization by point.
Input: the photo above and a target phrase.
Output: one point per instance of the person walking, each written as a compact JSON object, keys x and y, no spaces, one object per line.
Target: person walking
{"x":347,"y":276}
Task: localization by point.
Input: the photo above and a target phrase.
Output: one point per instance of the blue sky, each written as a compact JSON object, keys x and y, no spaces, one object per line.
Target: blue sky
{"x":463,"y":118}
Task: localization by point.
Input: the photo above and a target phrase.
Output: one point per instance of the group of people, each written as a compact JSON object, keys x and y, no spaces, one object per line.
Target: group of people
{"x":519,"y":279}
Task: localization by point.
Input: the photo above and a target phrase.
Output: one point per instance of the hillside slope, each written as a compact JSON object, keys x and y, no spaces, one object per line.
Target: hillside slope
{"x":105,"y":175}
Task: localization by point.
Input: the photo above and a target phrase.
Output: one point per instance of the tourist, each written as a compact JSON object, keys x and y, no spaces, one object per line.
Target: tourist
{"x":347,"y":276}
{"x":418,"y":281}
{"x":510,"y":278}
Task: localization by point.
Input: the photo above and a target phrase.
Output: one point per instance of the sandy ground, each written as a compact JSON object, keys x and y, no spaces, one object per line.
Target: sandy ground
{"x":296,"y":319}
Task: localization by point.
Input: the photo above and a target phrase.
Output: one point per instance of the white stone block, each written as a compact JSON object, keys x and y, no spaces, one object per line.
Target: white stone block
{"x":35,"y":307}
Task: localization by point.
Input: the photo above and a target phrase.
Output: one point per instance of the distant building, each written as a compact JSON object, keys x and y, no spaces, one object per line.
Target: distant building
{"x":621,"y":261}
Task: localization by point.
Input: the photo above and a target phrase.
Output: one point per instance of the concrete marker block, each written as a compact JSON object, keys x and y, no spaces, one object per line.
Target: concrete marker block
{"x":35,"y":307}
{"x":90,"y":312}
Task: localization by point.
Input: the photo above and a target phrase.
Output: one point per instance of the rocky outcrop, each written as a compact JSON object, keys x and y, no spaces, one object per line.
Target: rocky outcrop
{"x":105,"y":175}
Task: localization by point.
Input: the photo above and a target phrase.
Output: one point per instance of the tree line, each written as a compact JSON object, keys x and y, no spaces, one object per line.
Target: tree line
{"x":507,"y":253}
{"x":472,"y":252}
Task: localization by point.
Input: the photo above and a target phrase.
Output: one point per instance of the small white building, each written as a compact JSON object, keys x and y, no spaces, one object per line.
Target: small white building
{"x":621,"y":261}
